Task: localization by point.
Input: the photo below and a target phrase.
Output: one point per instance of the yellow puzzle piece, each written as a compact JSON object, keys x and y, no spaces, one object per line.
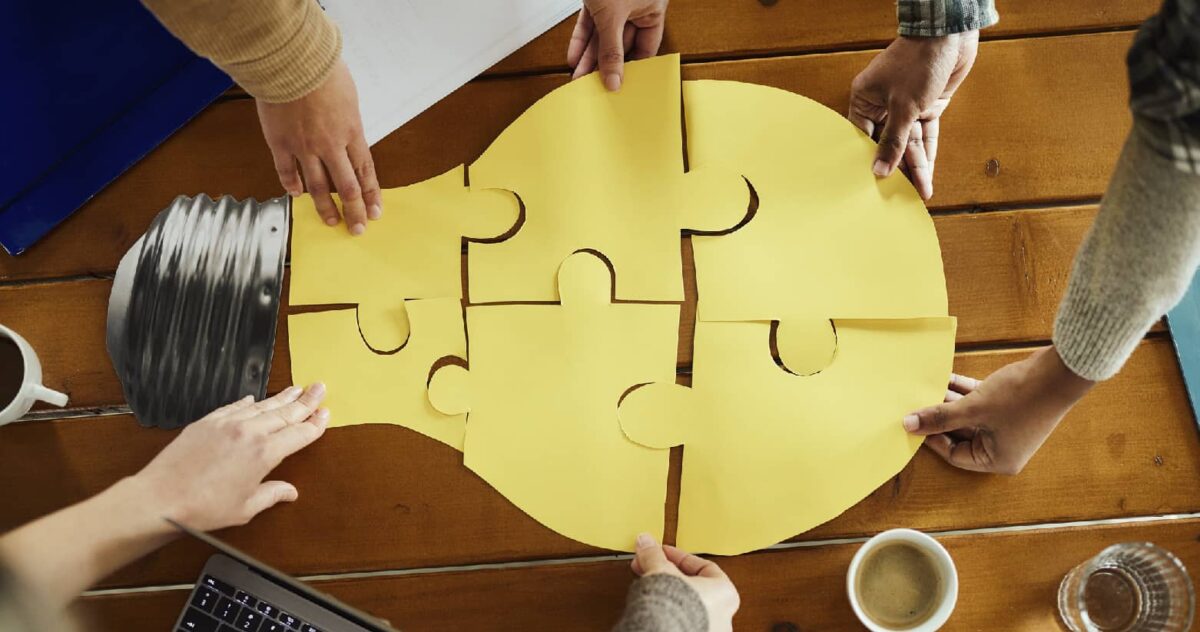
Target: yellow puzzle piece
{"x":414,"y":251}
{"x":829,"y":239}
{"x":369,"y":387}
{"x":768,"y":454}
{"x":602,"y":171}
{"x":542,"y":391}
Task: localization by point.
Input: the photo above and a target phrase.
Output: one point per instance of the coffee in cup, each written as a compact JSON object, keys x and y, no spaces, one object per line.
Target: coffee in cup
{"x":21,"y":378}
{"x":902,"y":580}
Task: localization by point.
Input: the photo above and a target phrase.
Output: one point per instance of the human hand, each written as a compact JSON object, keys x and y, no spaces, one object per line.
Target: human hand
{"x":322,"y":132}
{"x":608,"y":30}
{"x":211,"y":475}
{"x":717,"y":593}
{"x":905,"y":89}
{"x":996,"y":425}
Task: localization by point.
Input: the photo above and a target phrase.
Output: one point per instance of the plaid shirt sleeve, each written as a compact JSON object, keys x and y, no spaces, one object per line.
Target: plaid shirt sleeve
{"x":1164,"y":83}
{"x":935,"y":18}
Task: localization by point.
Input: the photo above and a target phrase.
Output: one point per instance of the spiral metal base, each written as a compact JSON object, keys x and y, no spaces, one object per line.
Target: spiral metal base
{"x":194,"y":304}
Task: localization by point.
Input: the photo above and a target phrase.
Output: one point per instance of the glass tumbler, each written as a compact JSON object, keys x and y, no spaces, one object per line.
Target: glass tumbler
{"x":1128,"y":587}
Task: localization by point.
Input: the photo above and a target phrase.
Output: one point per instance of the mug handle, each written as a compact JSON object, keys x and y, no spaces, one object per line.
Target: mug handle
{"x":49,"y":396}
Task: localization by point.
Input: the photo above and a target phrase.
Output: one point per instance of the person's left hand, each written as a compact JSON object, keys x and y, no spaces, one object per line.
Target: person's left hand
{"x":902,"y":94}
{"x":607,"y":30}
{"x":211,"y":475}
{"x":997,"y":424}
{"x":322,"y":132}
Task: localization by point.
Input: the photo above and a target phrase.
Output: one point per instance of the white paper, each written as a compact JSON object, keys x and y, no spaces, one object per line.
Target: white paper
{"x":406,"y":55}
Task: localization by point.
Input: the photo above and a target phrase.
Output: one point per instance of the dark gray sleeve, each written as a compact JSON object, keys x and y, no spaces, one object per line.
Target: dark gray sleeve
{"x":662,"y":603}
{"x":935,"y":18}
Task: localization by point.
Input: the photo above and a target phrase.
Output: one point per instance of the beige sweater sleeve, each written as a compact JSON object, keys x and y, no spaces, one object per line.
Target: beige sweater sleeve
{"x":662,"y":603}
{"x":277,"y":50}
{"x":1135,"y":263}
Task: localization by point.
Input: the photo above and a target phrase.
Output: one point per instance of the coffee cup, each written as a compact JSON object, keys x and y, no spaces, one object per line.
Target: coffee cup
{"x":902,"y":581}
{"x":21,"y":378}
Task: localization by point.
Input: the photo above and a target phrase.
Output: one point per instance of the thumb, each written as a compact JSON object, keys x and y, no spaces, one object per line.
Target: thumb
{"x":936,"y":419}
{"x":650,"y":558}
{"x":610,"y":28}
{"x":269,"y":494}
{"x":894,"y":139}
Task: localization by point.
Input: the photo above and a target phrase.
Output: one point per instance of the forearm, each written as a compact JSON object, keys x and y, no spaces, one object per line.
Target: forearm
{"x":278,"y":50}
{"x":64,"y":553}
{"x":662,"y":603}
{"x":935,"y":18}
{"x":1135,"y":263}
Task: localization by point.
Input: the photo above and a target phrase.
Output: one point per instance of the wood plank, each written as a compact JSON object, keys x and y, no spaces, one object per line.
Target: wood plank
{"x":1007,"y":112}
{"x":1130,"y":448}
{"x":1009,"y":577}
{"x":1005,"y":273}
{"x":713,"y":29}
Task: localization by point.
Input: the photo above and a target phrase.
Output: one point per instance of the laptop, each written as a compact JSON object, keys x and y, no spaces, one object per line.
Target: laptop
{"x":236,"y":592}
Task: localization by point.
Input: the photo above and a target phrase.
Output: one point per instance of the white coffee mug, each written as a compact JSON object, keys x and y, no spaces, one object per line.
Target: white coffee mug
{"x":31,"y":389}
{"x":946,"y":570}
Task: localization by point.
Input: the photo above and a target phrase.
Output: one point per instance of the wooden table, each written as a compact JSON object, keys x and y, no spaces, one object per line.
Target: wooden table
{"x":392,"y":521}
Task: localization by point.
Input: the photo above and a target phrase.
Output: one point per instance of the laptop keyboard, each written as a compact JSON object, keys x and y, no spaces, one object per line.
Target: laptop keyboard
{"x":216,"y":606}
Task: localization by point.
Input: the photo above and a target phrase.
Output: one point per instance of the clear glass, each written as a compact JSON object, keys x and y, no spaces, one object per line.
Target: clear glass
{"x":1128,"y":587}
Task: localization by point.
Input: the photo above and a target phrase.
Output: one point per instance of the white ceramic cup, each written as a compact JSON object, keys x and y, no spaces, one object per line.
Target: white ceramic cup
{"x":31,"y":384}
{"x":945,"y":566}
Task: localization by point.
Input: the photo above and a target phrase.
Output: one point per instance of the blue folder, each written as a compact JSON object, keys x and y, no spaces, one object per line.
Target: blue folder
{"x":1184,"y":323}
{"x":91,"y":88}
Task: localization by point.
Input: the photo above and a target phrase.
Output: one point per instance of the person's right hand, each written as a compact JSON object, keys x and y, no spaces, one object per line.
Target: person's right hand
{"x":211,"y":475}
{"x":322,"y":132}
{"x":997,"y":424}
{"x":607,"y":30}
{"x":717,"y":593}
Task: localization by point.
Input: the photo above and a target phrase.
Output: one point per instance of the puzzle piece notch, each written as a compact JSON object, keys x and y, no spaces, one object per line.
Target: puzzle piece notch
{"x":367,"y":387}
{"x":450,"y":390}
{"x":384,"y":328}
{"x":603,"y":171}
{"x":413,"y":252}
{"x":805,"y":346}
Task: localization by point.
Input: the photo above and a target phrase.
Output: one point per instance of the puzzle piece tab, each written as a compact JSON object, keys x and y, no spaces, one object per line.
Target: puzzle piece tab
{"x":829,"y":239}
{"x":542,"y":391}
{"x":604,"y":171}
{"x":368,"y":387}
{"x":413,"y":252}
{"x":768,"y":454}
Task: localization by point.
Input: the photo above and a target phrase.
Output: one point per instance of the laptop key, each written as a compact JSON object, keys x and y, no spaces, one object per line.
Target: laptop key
{"x":218,"y":585}
{"x":273,"y":626}
{"x":291,"y":622}
{"x":309,"y":628}
{"x":204,"y":598}
{"x":227,"y":610}
{"x":248,"y":620}
{"x":245,"y":598}
{"x":267,"y":609}
{"x":196,"y":621}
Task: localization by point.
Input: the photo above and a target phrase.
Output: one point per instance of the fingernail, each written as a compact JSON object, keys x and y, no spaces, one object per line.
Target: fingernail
{"x":911,"y":423}
{"x":880,"y":168}
{"x":322,"y":414}
{"x":357,"y":229}
{"x":644,"y":540}
{"x":612,"y":81}
{"x":295,"y":192}
{"x":292,"y":392}
{"x":317,"y":388}
{"x":374,"y":212}
{"x":332,"y":221}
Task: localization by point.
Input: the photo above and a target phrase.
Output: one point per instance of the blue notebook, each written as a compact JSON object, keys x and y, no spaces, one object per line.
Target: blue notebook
{"x":1184,"y":322}
{"x":91,"y":88}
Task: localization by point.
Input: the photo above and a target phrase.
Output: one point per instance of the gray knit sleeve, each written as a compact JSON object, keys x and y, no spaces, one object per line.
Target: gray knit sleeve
{"x":662,"y":603}
{"x":1135,"y":263}
{"x":935,"y":18}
